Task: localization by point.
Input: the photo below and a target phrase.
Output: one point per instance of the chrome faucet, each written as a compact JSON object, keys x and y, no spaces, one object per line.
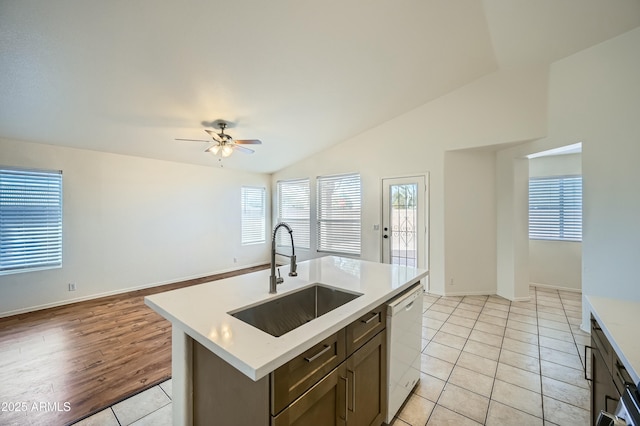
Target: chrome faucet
{"x":273,"y":281}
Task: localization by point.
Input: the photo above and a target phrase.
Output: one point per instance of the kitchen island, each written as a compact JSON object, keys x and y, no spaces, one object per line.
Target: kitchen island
{"x":204,"y":331}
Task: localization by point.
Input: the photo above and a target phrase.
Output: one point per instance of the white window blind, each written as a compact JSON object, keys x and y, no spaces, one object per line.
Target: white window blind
{"x":294,"y":209}
{"x":339,"y":214}
{"x":30,"y":220}
{"x":253,"y":215}
{"x":555,"y":208}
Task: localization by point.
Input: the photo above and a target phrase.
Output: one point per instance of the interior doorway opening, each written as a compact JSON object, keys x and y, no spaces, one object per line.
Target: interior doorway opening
{"x":555,"y":218}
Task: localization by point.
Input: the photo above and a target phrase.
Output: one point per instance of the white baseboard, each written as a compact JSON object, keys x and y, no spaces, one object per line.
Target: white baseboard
{"x":586,"y":329}
{"x":479,"y":293}
{"x":556,"y":287}
{"x":468,"y":293}
{"x":120,"y":291}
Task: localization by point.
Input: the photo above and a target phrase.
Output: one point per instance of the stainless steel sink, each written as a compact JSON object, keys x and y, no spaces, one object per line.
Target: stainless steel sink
{"x":286,"y":313}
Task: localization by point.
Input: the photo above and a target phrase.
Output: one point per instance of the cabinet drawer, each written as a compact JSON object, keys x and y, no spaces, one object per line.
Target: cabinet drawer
{"x":620,"y":374}
{"x":302,"y":372}
{"x":364,"y":328}
{"x":600,"y":341}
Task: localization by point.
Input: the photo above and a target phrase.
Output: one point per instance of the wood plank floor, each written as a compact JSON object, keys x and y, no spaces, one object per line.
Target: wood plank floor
{"x":62,"y":364}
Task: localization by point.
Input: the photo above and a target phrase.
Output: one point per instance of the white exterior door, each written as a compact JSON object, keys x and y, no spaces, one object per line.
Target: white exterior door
{"x":405,"y":221}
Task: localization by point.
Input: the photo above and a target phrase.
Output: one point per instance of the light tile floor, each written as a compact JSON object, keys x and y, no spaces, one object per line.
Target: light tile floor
{"x":488,"y":361}
{"x":485,"y":361}
{"x":149,"y":408}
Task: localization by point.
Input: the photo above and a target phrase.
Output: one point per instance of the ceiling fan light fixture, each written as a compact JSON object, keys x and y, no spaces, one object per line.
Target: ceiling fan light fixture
{"x":225,"y":145}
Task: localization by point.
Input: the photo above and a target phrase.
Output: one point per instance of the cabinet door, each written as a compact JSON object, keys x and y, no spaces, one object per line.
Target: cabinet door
{"x":604,"y":396}
{"x":322,"y":405}
{"x":367,"y":380}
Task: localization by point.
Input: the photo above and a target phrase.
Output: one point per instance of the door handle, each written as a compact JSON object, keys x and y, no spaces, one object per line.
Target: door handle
{"x":385,"y":236}
{"x":353,"y":390}
{"x":346,"y":397}
{"x":585,"y":362}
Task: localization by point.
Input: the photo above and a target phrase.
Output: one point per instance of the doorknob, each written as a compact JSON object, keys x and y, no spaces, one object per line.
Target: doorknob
{"x":385,"y":236}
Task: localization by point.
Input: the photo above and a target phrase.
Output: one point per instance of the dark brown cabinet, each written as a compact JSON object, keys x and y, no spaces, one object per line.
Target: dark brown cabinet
{"x":608,"y":374}
{"x":604,"y":395}
{"x":366,"y":378}
{"x":323,"y":404}
{"x":355,"y":392}
{"x":364,"y":328}
{"x":339,"y":381}
{"x":351,"y":395}
{"x":296,"y":376}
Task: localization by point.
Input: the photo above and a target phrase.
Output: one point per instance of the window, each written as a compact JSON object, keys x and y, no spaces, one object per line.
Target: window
{"x":555,"y":208}
{"x":253,"y":215}
{"x":30,"y":220}
{"x":293,"y":208}
{"x":339,"y":207}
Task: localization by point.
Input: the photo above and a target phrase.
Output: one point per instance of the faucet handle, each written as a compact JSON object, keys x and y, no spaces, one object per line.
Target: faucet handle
{"x":279,"y":280}
{"x":293,"y":270}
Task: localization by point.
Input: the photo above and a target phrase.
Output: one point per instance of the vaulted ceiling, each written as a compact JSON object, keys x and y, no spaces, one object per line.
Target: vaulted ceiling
{"x":131,"y":76}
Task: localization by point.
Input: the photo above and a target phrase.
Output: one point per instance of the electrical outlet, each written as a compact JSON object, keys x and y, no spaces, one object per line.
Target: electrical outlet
{"x":235,"y":260}
{"x":72,"y":286}
{"x":451,"y":282}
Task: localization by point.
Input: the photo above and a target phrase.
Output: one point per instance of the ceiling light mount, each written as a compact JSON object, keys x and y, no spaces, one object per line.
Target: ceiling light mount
{"x":224,"y":145}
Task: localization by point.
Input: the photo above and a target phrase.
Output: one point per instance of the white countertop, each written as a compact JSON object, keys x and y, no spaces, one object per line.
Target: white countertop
{"x":619,"y":321}
{"x":202,"y":310}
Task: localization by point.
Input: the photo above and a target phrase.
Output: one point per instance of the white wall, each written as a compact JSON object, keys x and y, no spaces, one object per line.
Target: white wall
{"x":556,"y":264}
{"x":502,"y":107}
{"x":131,"y":222}
{"x":512,"y":247}
{"x":470,"y":222}
{"x":594,"y":98}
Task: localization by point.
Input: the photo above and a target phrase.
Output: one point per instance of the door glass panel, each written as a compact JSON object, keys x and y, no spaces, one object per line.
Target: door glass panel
{"x":403,"y":224}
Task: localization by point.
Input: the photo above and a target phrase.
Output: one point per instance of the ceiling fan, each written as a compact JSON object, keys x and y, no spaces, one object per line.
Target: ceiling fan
{"x":224,"y":144}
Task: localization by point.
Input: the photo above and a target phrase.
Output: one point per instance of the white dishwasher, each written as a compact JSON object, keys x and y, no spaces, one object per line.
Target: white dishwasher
{"x":404,"y":340}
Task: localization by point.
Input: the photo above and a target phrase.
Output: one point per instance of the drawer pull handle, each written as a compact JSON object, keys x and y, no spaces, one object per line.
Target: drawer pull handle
{"x":619,"y":368}
{"x":607,"y":398}
{"x":375,"y":316}
{"x":595,"y":325}
{"x":319,"y":354}
{"x":586,"y":362}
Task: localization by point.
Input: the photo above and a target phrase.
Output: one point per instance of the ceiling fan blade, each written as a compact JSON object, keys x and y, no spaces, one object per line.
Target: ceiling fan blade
{"x":242,"y":148}
{"x":248,"y":142}
{"x":193,"y":140}
{"x":213,"y":134}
